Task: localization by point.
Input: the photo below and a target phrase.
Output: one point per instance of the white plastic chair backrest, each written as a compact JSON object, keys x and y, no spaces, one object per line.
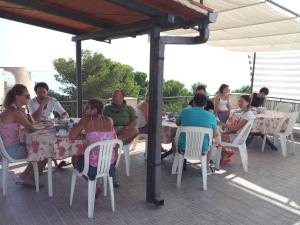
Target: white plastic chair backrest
{"x":291,"y":119}
{"x":194,"y":137}
{"x":4,"y":153}
{"x":104,"y":156}
{"x":243,"y":134}
{"x":283,"y":107}
{"x":141,"y":122}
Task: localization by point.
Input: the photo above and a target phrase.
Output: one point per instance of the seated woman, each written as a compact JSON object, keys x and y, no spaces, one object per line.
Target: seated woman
{"x":233,"y":130}
{"x":142,"y":111}
{"x":258,"y":99}
{"x":12,"y":119}
{"x":222,"y":103}
{"x":97,"y":128}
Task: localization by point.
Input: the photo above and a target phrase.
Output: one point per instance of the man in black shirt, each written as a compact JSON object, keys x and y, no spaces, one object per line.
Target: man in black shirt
{"x":202,"y":90}
{"x":258,"y":99}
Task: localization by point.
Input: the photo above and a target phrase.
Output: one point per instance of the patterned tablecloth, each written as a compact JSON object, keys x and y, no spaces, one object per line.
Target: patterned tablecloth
{"x":168,"y":132}
{"x":44,"y":144}
{"x":265,"y":123}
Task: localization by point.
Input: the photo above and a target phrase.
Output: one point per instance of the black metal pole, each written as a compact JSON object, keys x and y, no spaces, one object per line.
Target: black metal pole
{"x":284,"y":8}
{"x":79,"y":78}
{"x":157,"y":48}
{"x":253,"y":71}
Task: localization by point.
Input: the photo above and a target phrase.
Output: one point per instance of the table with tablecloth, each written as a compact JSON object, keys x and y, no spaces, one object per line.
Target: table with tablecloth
{"x":264,"y":123}
{"x":168,"y":132}
{"x":45,"y":144}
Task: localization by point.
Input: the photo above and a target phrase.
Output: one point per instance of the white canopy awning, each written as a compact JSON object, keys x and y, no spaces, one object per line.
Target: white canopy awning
{"x":251,"y":26}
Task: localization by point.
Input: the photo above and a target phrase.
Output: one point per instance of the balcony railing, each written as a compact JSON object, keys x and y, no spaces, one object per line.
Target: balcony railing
{"x":176,"y":104}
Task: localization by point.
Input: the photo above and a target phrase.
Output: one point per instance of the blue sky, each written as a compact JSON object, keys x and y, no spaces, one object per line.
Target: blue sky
{"x":36,"y":48}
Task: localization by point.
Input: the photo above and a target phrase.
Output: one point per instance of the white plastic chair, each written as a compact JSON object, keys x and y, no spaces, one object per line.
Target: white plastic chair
{"x":105,"y":154}
{"x":126,"y":152}
{"x":6,"y":159}
{"x":240,"y":143}
{"x":283,"y":107}
{"x":193,"y":151}
{"x":283,"y":136}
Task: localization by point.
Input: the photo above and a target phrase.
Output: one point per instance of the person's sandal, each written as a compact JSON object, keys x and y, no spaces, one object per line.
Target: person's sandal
{"x":211,"y":170}
{"x":62,"y":164}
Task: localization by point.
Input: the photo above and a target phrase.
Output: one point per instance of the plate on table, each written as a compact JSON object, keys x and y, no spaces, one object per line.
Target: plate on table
{"x":45,"y":123}
{"x":38,"y":127}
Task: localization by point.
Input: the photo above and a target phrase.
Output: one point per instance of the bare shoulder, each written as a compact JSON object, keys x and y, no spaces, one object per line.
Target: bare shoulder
{"x":13,"y":111}
{"x":83,"y":121}
{"x":107,"y":119}
{"x":10,"y":114}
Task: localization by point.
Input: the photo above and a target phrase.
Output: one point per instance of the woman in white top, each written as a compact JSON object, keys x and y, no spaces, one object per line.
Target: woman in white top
{"x":222,"y":103}
{"x":233,"y":130}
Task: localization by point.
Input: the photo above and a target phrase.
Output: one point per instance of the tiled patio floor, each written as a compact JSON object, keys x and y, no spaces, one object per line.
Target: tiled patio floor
{"x":269,"y":194}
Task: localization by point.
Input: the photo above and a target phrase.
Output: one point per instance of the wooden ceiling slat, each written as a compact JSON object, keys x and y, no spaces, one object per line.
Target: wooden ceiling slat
{"x":42,"y":6}
{"x":78,"y":17}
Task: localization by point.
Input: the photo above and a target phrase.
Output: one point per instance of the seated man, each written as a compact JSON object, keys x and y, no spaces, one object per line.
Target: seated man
{"x":258,"y":99}
{"x":42,"y":106}
{"x":142,"y":112}
{"x":197,"y":117}
{"x":123,"y":116}
{"x":209,"y":105}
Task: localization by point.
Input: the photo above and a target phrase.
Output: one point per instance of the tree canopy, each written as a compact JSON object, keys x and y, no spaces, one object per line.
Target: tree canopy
{"x":244,"y":89}
{"x":174,"y":88}
{"x":100,"y":76}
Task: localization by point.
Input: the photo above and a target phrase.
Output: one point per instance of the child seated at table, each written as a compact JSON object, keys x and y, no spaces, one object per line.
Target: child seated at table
{"x":232,"y":130}
{"x":11,"y":121}
{"x":97,"y":128}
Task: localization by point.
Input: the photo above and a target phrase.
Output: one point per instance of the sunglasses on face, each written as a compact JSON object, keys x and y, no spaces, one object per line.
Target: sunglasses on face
{"x":27,"y":96}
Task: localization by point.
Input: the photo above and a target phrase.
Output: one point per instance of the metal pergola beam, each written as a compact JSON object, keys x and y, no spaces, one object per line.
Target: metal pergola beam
{"x":157,"y":49}
{"x":138,"y":7}
{"x":123,"y":30}
{"x":253,"y":71}
{"x":283,"y":8}
{"x":157,"y":52}
{"x":57,"y":11}
{"x":79,"y":78}
{"x":11,"y":16}
{"x":166,"y":22}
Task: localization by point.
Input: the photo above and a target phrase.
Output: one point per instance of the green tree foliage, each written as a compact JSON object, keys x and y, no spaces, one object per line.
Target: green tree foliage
{"x":244,"y":89}
{"x":100,"y":76}
{"x":56,"y":95}
{"x":141,"y":80}
{"x":174,"y":88}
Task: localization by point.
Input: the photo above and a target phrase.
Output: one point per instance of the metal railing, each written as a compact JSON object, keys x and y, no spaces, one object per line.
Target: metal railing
{"x":177,"y":103}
